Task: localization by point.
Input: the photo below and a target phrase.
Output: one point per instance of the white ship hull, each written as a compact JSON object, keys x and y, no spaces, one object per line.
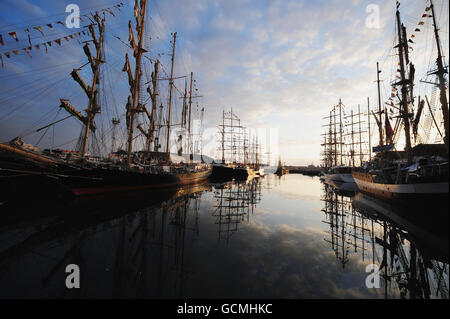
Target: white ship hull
{"x":401,"y":191}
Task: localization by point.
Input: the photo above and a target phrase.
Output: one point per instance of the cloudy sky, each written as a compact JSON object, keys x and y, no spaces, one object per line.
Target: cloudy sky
{"x":280,"y":64}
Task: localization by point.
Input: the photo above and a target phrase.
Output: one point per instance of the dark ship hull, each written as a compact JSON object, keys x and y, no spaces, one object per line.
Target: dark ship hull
{"x":101,"y":181}
{"x":24,"y":174}
{"x":224,"y":172}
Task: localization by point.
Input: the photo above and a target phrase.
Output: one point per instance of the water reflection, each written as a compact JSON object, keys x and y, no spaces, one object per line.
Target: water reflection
{"x":271,"y":237}
{"x":413,"y":262}
{"x":235,"y":203}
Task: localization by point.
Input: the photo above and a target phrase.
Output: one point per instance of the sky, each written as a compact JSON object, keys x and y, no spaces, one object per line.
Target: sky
{"x":280,"y":65}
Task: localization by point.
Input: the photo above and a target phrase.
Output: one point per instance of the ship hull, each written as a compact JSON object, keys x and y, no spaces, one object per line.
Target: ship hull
{"x":437,"y":191}
{"x":109,"y":181}
{"x":223,"y":172}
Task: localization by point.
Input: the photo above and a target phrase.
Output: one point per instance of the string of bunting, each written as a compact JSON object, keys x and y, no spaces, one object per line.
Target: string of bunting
{"x":46,"y":44}
{"x":424,"y":15}
{"x":410,"y":40}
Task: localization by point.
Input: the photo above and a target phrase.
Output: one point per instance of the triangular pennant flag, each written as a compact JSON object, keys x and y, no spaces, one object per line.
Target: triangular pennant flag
{"x":39,"y":29}
{"x":7,"y":54}
{"x":79,"y":34}
{"x":71,"y":36}
{"x":410,"y":41}
{"x":37,"y":47}
{"x":427,"y":8}
{"x":1,"y":40}
{"x":49,"y":43}
{"x":28,"y":33}
{"x":417,"y":30}
{"x":30,"y":48}
{"x":61,"y":23}
{"x":16,"y":52}
{"x":411,"y":48}
{"x":14,"y":35}
{"x":45,"y":45}
{"x":421,"y":23}
{"x":413,"y":36}
{"x":58,"y":41}
{"x":67,"y":38}
{"x":27,"y":52}
{"x":50,"y":26}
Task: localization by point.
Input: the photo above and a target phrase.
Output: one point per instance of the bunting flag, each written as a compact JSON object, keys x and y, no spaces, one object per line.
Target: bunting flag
{"x":426,"y":16}
{"x":14,"y":35}
{"x":421,"y":23}
{"x":410,"y":41}
{"x":28,"y":33}
{"x":47,"y":44}
{"x":413,"y":36}
{"x":39,"y":29}
{"x":427,"y":8}
{"x":417,"y":30}
{"x":27,"y":52}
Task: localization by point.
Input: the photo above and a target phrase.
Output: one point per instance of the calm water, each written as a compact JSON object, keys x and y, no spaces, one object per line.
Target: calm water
{"x":288,"y":237}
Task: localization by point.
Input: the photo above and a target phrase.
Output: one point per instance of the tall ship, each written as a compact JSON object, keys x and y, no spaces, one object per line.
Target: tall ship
{"x":239,"y":149}
{"x":342,"y":145}
{"x":420,"y":172}
{"x":81,"y":173}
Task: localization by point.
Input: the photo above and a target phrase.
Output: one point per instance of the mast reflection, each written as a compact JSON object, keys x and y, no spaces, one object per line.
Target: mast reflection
{"x":375,"y":232}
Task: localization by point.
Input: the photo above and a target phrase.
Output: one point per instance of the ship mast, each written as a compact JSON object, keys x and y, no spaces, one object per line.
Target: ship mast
{"x":153,"y":94}
{"x":170,"y":95}
{"x":191,"y":155}
{"x":138,"y":51}
{"x":380,"y":125}
{"x":95,"y":66}
{"x":402,"y":46}
{"x":442,"y":82}
{"x":91,"y":91}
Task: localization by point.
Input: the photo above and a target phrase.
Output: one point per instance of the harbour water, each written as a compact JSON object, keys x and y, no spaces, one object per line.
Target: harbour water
{"x":272,"y":237}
